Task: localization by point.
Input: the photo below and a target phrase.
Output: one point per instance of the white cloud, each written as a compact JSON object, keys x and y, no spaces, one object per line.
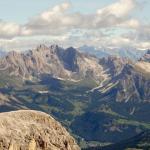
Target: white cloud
{"x":118,"y":9}
{"x":9,"y":30}
{"x":60,"y":24}
{"x":59,"y":20}
{"x":132,"y":23}
{"x":56,"y":10}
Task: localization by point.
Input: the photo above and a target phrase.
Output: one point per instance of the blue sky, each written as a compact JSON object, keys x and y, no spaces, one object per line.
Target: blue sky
{"x":21,"y":21}
{"x":21,"y":11}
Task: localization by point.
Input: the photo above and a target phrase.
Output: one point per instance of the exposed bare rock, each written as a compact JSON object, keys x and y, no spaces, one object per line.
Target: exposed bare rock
{"x":113,"y":64}
{"x":33,"y":130}
{"x":3,"y":99}
{"x":32,"y":145}
{"x":144,"y":66}
{"x":146,"y":57}
{"x":55,"y":61}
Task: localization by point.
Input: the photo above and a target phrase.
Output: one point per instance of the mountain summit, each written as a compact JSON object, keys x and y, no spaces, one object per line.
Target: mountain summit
{"x":33,"y":130}
{"x":53,"y":60}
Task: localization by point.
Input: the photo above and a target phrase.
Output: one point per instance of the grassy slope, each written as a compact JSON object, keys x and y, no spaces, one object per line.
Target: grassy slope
{"x":66,"y":101}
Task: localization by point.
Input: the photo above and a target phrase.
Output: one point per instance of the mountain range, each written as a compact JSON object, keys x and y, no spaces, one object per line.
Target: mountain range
{"x":127,"y":52}
{"x":100,"y":100}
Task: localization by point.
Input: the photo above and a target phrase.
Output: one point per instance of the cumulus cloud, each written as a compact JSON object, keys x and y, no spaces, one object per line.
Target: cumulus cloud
{"x":118,"y":9}
{"x":60,"y":24}
{"x":9,"y":30}
{"x":61,"y":19}
{"x":132,"y":23}
{"x":140,"y":37}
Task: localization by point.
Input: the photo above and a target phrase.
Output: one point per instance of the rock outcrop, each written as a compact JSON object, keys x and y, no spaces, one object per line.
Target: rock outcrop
{"x":33,"y":130}
{"x":53,"y":60}
{"x":144,"y":63}
{"x":146,"y":57}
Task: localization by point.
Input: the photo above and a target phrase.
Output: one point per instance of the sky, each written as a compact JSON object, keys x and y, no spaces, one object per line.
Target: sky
{"x":99,"y":23}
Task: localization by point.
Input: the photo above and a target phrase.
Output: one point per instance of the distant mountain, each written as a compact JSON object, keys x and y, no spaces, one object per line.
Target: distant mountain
{"x":99,"y":100}
{"x":94,"y":51}
{"x":55,"y":61}
{"x":2,"y":53}
{"x":144,"y":62}
{"x":146,"y":57}
{"x":126,"y":95}
{"x":131,"y":53}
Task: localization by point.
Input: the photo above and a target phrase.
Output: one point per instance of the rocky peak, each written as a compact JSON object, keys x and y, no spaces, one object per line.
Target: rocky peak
{"x":71,"y":50}
{"x":148,"y":51}
{"x":42,"y":47}
{"x":12,"y":53}
{"x":146,"y":57}
{"x":127,"y":69}
{"x":53,"y":49}
{"x":70,"y":58}
{"x":54,"y":46}
{"x":33,"y":130}
{"x":114,"y":64}
{"x":53,"y":60}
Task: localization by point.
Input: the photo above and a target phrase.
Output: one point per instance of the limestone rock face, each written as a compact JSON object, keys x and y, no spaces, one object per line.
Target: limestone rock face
{"x":33,"y":130}
{"x":146,"y":57}
{"x":55,"y":61}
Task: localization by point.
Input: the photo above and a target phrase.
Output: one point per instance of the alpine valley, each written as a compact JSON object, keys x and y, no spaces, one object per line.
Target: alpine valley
{"x":100,"y":100}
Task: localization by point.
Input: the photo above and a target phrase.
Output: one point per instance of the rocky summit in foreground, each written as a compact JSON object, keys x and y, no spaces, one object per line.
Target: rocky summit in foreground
{"x":33,"y":130}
